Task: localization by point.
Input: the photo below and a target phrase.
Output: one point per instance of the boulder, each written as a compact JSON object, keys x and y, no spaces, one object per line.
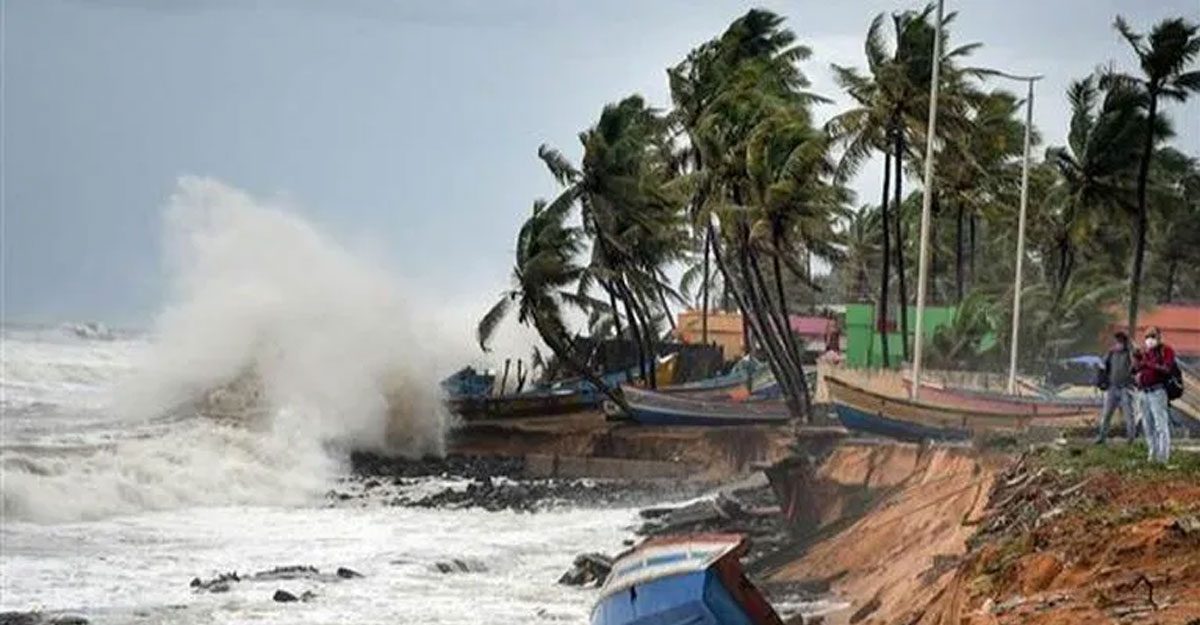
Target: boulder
{"x":283,"y":596}
{"x":346,"y":573}
{"x":588,"y":568}
{"x":460,"y":566}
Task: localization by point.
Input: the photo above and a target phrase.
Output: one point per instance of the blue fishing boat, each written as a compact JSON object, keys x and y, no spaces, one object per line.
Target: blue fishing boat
{"x":651,"y":408}
{"x":467,"y":382}
{"x":695,"y":579}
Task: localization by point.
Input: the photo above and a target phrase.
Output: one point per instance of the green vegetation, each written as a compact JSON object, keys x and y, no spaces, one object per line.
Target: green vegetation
{"x":1125,"y":460}
{"x":737,"y":185}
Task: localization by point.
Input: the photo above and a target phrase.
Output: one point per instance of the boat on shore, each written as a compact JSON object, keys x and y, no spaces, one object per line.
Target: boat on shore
{"x":870,"y":411}
{"x":692,"y":578}
{"x":534,"y":404}
{"x":469,"y":394}
{"x":1001,"y":403}
{"x":652,"y":408}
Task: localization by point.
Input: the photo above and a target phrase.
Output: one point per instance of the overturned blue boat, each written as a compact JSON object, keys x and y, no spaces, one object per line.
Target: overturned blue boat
{"x":694,"y":579}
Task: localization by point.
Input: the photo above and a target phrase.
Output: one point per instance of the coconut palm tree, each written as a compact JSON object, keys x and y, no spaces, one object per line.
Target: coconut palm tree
{"x":1174,"y":244}
{"x":1165,"y":57}
{"x":632,"y":214}
{"x":544,"y":273}
{"x":1096,"y":171}
{"x":724,"y":91}
{"x":975,"y":168}
{"x":891,"y":112}
{"x":861,"y":234}
{"x":757,"y":38}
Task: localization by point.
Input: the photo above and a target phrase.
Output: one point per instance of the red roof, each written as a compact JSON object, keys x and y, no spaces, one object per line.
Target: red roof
{"x":1180,"y":325}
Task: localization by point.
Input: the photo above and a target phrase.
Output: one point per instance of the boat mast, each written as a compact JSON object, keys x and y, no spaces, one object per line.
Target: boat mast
{"x":927,"y":197}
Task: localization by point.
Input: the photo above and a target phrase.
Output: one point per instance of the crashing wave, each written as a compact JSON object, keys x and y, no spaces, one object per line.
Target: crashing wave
{"x":278,"y":352}
{"x":90,"y":330}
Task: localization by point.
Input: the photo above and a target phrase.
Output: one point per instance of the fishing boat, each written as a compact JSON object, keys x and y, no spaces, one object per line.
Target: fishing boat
{"x":869,"y":411}
{"x":695,"y":578}
{"x":741,"y":374}
{"x":561,"y":397}
{"x":540,"y":403}
{"x":652,"y":408}
{"x":1000,"y":403}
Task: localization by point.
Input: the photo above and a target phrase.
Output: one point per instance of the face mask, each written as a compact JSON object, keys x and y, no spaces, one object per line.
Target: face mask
{"x":1151,"y":342}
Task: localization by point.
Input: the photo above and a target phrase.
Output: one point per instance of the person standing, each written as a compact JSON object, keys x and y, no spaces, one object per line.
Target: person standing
{"x":1151,"y":368}
{"x":1116,"y":380}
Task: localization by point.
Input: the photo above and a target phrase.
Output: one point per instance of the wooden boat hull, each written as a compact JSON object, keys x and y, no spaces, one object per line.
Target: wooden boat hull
{"x":518,"y":406}
{"x":989,"y":402}
{"x":867,"y":411}
{"x":650,"y":408}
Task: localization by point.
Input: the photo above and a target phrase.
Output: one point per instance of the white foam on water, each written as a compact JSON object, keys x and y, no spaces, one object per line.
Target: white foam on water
{"x":344,"y":363}
{"x":131,"y":570}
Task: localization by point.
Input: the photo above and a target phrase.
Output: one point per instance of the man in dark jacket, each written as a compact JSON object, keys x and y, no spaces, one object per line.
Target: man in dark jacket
{"x":1151,"y":368}
{"x":1116,"y":380}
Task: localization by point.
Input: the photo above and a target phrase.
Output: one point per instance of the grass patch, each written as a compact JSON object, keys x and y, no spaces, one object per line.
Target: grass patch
{"x":1124,"y":460}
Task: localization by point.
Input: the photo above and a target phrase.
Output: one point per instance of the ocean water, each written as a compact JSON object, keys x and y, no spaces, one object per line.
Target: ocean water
{"x":110,"y":516}
{"x":132,"y":462}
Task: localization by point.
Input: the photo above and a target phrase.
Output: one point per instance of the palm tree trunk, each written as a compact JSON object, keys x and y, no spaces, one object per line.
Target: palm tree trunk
{"x":612,"y":304}
{"x":1170,"y":295}
{"x":771,"y":334}
{"x":662,"y":300}
{"x":897,"y":200}
{"x":884,"y":278}
{"x":649,"y":335}
{"x":974,"y":280}
{"x":565,"y":354}
{"x":704,"y":288}
{"x":789,"y":335}
{"x":752,"y":323}
{"x":958,"y":255}
{"x":1139,"y":254}
{"x":634,"y":328}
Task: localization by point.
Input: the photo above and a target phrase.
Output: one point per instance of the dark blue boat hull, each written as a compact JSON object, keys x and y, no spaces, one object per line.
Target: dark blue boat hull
{"x":655,"y":416}
{"x":855,"y":419}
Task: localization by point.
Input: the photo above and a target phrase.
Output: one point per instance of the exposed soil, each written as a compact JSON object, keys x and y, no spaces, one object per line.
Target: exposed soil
{"x":1082,"y":536}
{"x":890,"y":547}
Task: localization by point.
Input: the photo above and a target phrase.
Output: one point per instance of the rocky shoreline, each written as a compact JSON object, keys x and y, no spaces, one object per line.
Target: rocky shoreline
{"x":493,"y":483}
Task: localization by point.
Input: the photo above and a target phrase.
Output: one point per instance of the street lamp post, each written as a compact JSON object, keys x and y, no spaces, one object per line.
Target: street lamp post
{"x":1016,"y":315}
{"x":923,"y":262}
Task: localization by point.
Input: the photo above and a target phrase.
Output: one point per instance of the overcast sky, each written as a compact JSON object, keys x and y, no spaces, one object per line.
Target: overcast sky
{"x":407,"y":127}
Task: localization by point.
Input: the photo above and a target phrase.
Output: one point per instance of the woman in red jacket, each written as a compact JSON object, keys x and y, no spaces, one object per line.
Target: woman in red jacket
{"x":1151,"y":368}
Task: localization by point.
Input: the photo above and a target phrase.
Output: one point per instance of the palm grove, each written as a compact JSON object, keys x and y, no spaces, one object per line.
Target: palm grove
{"x":739,"y":186}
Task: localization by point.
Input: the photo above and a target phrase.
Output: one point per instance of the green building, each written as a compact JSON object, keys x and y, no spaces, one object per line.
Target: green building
{"x":863,"y":345}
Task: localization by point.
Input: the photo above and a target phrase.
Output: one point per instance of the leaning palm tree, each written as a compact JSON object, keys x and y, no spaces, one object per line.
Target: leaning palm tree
{"x":700,"y":82}
{"x":723,"y":91}
{"x":632,"y":214}
{"x":543,"y":276}
{"x":1165,"y":56}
